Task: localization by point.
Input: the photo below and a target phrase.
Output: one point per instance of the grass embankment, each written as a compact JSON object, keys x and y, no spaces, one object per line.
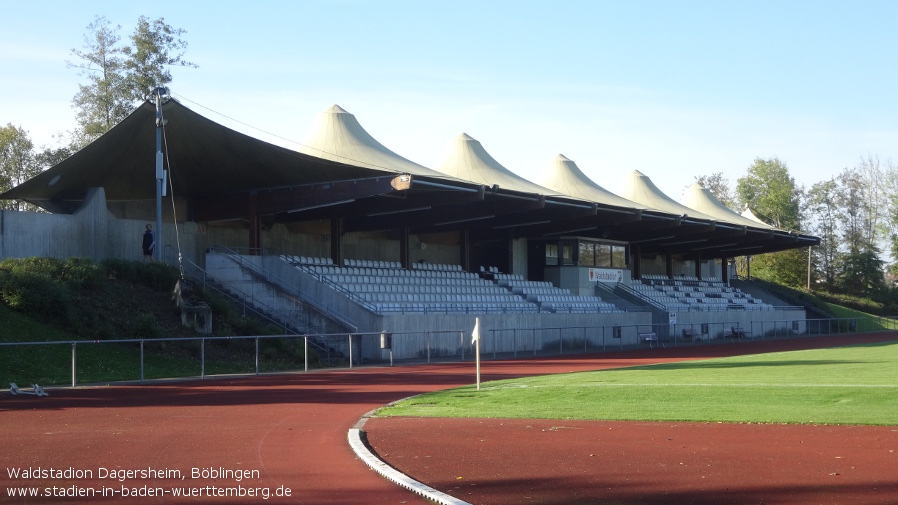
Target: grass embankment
{"x":846,"y":385}
{"x":52,"y":364}
{"x":866,"y":322}
{"x":47,"y":300}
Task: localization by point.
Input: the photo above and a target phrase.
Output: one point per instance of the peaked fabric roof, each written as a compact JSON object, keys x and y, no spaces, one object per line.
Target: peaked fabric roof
{"x":468,"y":160}
{"x":642,"y":190}
{"x":345,"y":173}
{"x":564,"y":176}
{"x":338,"y":136}
{"x":207,"y":159}
{"x":701,"y":199}
{"x":748,"y":214}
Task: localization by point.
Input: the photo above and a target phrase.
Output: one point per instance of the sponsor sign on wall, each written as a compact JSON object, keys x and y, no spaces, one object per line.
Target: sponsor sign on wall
{"x":606,"y":275}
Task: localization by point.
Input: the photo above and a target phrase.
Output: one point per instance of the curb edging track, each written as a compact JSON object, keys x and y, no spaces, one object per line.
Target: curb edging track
{"x":378,"y":465}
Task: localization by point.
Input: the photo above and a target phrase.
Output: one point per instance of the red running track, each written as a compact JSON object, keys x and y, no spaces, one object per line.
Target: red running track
{"x":288,"y":432}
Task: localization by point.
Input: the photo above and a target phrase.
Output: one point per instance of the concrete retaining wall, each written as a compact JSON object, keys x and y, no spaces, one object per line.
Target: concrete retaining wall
{"x":90,"y":232}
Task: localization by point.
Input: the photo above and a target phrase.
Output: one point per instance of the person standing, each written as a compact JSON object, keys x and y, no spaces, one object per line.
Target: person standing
{"x":149,"y":243}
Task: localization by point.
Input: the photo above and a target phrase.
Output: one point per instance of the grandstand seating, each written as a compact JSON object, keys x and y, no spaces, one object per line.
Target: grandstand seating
{"x":549,"y":297}
{"x":426,"y":287}
{"x":691,"y":294}
{"x":435,"y":287}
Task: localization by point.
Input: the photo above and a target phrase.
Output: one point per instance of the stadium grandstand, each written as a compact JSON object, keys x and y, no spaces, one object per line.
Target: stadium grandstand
{"x":341,"y":234}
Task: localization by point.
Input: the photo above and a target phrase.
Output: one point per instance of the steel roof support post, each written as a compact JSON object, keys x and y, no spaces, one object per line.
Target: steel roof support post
{"x":668,"y":264}
{"x":464,"y":249}
{"x":336,"y":240}
{"x":158,"y":92}
{"x":636,"y":261}
{"x":509,"y":245}
{"x":255,"y":225}
{"x":404,"y":247}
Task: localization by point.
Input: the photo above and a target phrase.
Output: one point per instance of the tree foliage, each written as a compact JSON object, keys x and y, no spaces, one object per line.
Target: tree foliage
{"x":103,"y":101}
{"x":861,"y":273}
{"x":855,"y":215}
{"x":890,"y":187}
{"x":770,"y":192}
{"x":49,"y":156}
{"x":155,"y":47}
{"x":860,"y":201}
{"x":822,"y":204}
{"x":120,"y":77}
{"x":17,"y":162}
{"x":789,"y":268}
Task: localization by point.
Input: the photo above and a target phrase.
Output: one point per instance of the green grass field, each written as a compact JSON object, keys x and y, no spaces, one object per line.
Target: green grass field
{"x":845,"y":385}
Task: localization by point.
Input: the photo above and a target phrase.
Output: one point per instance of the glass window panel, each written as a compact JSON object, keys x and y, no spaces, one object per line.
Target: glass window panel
{"x":618,"y":256}
{"x":567,"y":254}
{"x":587,"y":255}
{"x":603,"y":255}
{"x":551,"y":254}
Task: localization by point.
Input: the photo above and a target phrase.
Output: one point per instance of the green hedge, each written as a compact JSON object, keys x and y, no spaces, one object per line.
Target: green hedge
{"x":53,"y":290}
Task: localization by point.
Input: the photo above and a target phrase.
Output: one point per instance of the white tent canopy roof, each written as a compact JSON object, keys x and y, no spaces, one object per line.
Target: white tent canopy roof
{"x":748,"y":214}
{"x":467,"y":159}
{"x":701,"y":199}
{"x":336,"y":135}
{"x":564,"y":176}
{"x":642,"y":190}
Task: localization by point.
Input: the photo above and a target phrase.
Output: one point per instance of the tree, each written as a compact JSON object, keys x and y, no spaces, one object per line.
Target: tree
{"x":155,"y":46}
{"x":822,"y":207}
{"x":121,"y":77}
{"x":49,"y":156}
{"x":789,"y":268}
{"x":719,"y":186}
{"x":104,"y":101}
{"x":861,"y":274}
{"x":863,"y":202}
{"x":17,"y":162}
{"x":890,"y":187}
{"x":770,"y":192}
{"x":851,"y":209}
{"x":874,"y":200}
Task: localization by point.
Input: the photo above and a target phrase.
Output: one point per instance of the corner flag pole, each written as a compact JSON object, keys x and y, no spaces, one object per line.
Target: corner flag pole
{"x":475,"y":339}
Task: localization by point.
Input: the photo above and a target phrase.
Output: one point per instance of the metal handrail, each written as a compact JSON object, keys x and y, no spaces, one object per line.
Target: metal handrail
{"x":283,"y":285}
{"x":257,"y":313}
{"x":204,"y":279}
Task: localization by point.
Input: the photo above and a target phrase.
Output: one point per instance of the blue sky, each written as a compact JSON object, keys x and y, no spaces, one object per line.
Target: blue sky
{"x":675,"y":90}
